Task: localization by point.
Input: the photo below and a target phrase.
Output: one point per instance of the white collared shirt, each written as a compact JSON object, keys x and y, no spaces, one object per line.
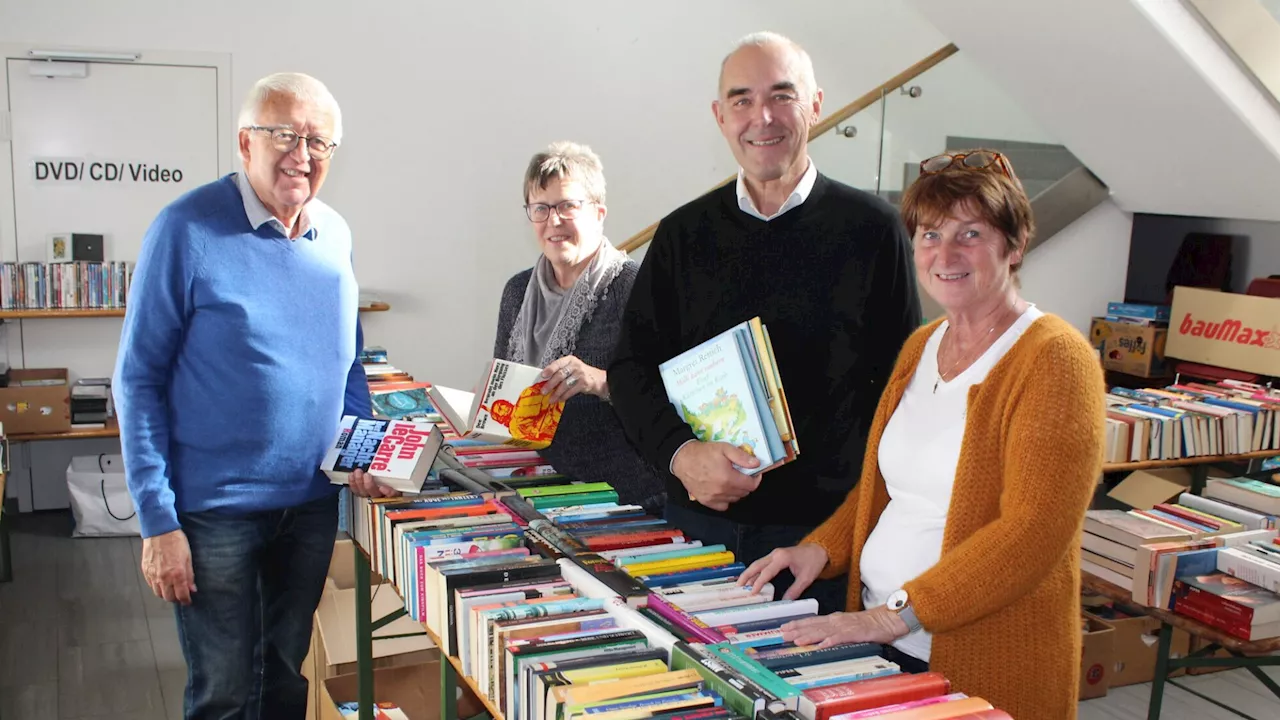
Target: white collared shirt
{"x":259,"y":215}
{"x":797,"y":197}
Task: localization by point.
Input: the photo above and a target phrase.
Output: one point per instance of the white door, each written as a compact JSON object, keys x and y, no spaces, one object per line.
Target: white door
{"x":98,"y":148}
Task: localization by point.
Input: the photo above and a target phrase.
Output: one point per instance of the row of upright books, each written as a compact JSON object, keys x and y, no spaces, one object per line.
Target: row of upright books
{"x":1214,"y":558}
{"x":1191,"y":419}
{"x":74,"y":285}
{"x":560,"y":603}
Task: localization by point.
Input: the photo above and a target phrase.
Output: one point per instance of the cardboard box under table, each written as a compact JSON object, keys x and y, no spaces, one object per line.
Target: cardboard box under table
{"x":414,"y":689}
{"x":1095,"y":657}
{"x":400,"y":642}
{"x":43,"y":405}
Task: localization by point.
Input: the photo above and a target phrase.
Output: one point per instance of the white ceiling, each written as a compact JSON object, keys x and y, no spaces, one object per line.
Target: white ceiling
{"x":1138,"y":91}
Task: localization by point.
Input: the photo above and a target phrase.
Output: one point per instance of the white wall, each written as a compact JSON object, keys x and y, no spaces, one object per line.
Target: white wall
{"x":1077,"y":272}
{"x":444,"y":103}
{"x":1152,"y":109}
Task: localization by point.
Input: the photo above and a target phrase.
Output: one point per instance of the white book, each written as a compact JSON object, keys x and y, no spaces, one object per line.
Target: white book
{"x":395,"y":453}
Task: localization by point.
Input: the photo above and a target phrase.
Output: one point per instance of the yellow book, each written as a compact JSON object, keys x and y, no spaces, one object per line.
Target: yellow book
{"x":574,"y":697}
{"x":692,"y":562}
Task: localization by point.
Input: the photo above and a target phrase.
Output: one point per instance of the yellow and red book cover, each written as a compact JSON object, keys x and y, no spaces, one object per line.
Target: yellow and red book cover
{"x":510,"y":407}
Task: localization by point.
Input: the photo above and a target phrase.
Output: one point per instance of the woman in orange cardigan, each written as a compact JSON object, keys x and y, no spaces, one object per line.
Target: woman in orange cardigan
{"x":962,"y":539}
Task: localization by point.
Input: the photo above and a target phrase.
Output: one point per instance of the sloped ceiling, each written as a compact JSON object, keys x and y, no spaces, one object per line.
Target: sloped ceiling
{"x":1136,"y":89}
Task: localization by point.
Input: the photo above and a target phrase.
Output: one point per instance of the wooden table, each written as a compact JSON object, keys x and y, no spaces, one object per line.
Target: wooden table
{"x":1250,"y":655}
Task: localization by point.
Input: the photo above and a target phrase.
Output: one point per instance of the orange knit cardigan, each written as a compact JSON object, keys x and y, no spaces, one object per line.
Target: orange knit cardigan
{"x":1003,"y":601}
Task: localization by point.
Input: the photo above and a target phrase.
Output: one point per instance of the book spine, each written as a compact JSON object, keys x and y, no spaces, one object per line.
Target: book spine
{"x":686,"y":624}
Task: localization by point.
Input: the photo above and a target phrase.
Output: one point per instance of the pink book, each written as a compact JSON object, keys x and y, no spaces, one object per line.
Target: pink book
{"x":900,"y":706}
{"x":696,"y":628}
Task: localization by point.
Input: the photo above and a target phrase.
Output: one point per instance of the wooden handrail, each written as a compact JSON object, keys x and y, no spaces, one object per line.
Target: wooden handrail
{"x":866,"y":100}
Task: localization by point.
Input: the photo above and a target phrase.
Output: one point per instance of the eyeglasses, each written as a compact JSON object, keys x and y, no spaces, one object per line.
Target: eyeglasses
{"x":285,"y":140}
{"x":976,"y":160}
{"x":566,"y":209}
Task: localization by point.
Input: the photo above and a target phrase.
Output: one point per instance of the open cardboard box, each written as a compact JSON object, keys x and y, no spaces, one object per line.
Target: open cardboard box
{"x":1134,"y":647}
{"x":335,"y":624}
{"x":415,"y":689}
{"x":1143,"y":489}
{"x":1097,"y":651}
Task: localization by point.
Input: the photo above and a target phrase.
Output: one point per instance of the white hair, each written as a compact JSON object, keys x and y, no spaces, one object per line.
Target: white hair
{"x":295,"y":85}
{"x":765,"y":38}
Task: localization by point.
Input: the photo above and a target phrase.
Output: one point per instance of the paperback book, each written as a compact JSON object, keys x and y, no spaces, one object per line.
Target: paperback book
{"x":396,"y":453}
{"x":508,"y":408}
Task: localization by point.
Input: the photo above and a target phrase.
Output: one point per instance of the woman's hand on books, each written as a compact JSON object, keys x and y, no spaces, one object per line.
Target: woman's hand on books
{"x":364,"y":485}
{"x":804,"y":561}
{"x":877,"y":625}
{"x":708,"y":473}
{"x":569,"y":376}
{"x":166,"y":566}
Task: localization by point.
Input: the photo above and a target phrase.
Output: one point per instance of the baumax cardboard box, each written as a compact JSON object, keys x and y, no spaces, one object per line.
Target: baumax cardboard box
{"x":1131,"y":349}
{"x":1239,"y":332}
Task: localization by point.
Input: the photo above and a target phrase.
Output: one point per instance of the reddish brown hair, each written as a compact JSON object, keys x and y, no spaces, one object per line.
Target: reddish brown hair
{"x":993,"y":197}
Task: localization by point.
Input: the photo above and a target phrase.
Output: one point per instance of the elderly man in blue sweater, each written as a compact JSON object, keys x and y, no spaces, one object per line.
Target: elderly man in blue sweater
{"x":237,"y":361}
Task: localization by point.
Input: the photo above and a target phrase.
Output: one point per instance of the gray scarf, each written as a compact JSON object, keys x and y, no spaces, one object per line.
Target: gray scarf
{"x":550,"y":317}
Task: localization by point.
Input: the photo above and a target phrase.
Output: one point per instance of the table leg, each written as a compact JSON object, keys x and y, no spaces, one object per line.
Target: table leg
{"x":364,"y":637}
{"x":448,"y":689}
{"x":1162,"y":671}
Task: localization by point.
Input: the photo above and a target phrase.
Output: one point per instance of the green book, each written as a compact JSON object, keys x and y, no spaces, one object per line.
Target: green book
{"x":591,"y":498}
{"x":574,"y":489}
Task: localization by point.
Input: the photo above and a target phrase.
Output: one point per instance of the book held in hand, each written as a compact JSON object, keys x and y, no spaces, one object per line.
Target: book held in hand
{"x":728,"y":390}
{"x":396,"y":453}
{"x":509,"y":407}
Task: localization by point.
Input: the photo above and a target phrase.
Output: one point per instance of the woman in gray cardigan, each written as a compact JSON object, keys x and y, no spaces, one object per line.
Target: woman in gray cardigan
{"x":564,"y":314}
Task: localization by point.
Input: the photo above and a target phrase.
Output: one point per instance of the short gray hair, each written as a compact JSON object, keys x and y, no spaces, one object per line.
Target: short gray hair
{"x":295,"y":85}
{"x":766,"y":38}
{"x":566,"y":161}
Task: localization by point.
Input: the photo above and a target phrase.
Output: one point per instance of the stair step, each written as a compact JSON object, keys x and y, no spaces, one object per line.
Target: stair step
{"x":1032,"y":161}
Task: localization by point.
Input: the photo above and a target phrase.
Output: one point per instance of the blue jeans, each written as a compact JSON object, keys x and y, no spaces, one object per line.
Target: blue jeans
{"x":258,"y":581}
{"x":752,"y":542}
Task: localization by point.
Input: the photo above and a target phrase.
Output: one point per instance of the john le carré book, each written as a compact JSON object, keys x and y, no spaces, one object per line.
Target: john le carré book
{"x":396,"y":453}
{"x":508,"y":408}
{"x":728,"y":389}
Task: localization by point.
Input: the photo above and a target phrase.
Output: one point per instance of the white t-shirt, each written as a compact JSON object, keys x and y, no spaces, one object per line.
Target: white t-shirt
{"x":918,"y":454}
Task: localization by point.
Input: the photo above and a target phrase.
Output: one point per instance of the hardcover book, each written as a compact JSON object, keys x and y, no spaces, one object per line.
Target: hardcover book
{"x":728,"y":390}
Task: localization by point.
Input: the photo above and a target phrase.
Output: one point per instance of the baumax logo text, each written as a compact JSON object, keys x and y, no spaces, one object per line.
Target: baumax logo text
{"x":1229,"y":331}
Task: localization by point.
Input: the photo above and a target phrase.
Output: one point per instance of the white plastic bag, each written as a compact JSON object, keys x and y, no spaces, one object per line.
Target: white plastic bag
{"x":100,"y":499}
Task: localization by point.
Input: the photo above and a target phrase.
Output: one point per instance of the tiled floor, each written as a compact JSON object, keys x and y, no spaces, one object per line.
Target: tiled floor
{"x":81,"y":636}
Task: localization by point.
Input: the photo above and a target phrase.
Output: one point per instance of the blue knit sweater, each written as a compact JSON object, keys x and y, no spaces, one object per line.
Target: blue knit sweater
{"x":237,"y":360}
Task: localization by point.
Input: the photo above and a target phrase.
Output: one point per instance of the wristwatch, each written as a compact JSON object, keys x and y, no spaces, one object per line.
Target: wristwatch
{"x":900,"y":604}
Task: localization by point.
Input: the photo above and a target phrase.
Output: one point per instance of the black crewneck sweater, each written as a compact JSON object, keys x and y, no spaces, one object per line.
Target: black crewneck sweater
{"x":833,"y":281}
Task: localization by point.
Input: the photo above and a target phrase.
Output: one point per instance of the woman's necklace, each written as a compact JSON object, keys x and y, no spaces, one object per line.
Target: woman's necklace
{"x":956,"y":364}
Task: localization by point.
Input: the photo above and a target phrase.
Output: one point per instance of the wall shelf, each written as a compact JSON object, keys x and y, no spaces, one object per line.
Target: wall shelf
{"x":111,"y":312}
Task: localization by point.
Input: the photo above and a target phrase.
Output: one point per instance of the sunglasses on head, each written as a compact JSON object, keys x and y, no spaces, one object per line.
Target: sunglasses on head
{"x":975,"y":160}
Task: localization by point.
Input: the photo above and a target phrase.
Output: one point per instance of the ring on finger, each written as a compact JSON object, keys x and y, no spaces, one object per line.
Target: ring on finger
{"x":567,"y":372}
{"x":571,"y":382}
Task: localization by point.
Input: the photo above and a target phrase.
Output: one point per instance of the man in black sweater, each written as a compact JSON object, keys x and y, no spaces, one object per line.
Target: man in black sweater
{"x":829,"y":270}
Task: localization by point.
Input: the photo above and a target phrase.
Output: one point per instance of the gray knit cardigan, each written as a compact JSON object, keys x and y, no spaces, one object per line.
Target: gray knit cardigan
{"x":590,"y":444}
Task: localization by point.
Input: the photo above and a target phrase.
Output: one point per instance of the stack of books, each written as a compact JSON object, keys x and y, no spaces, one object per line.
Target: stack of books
{"x":1191,"y":419}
